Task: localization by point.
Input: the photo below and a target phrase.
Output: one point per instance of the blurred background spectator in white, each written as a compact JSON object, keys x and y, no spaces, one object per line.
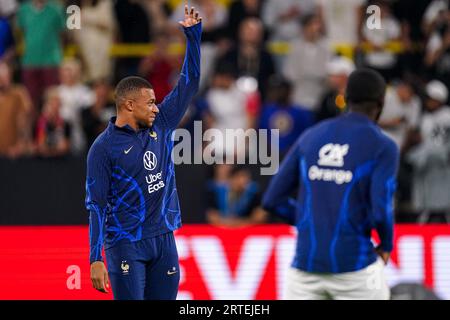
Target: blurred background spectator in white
{"x":281,"y":17}
{"x":227,"y":108}
{"x":306,"y":63}
{"x":74,"y":97}
{"x":342,"y":19}
{"x":401,"y":112}
{"x":332,"y":102}
{"x":8,"y":8}
{"x":95,"y":38}
{"x":437,"y":55}
{"x":431,"y":157}
{"x":381,"y":58}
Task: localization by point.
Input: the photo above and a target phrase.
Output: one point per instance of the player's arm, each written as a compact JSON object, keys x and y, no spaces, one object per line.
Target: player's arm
{"x":382,"y":190}
{"x":97,"y":189}
{"x":276,"y":198}
{"x":175,"y":104}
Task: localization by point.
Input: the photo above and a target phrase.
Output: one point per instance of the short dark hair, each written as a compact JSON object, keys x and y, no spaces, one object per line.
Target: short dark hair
{"x":365,"y":88}
{"x":129,"y":85}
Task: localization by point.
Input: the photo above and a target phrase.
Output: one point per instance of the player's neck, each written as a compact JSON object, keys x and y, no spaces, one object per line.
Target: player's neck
{"x":122,"y":121}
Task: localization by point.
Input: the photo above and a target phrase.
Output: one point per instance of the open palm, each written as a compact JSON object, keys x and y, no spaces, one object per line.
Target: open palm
{"x":191,"y":17}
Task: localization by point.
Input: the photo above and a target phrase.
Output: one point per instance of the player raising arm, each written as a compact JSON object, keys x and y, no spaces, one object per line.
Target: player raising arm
{"x":131,"y":192}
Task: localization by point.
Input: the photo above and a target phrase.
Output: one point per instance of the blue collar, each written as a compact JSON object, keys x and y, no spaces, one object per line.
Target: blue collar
{"x":126,"y":128}
{"x":357,"y":116}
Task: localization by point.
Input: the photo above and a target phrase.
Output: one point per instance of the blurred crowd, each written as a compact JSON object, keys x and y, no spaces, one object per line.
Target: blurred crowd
{"x":271,"y":64}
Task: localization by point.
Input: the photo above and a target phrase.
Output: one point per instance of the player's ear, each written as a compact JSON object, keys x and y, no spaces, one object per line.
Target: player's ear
{"x":129,"y":105}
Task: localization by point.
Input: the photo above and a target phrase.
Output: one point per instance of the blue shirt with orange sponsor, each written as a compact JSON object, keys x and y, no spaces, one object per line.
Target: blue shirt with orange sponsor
{"x":344,"y":173}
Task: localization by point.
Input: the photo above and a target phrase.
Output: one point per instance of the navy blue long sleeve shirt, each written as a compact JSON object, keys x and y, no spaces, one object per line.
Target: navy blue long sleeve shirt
{"x":344,"y":172}
{"x":130,"y":185}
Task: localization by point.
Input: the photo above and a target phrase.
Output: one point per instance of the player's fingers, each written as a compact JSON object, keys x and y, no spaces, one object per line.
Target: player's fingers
{"x":186,"y":11}
{"x":196,"y":15}
{"x":106,"y":280}
{"x":191,"y":14}
{"x":95,"y":283}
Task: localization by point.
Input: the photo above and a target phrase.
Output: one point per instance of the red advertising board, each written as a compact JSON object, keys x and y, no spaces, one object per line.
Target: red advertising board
{"x":215,"y":263}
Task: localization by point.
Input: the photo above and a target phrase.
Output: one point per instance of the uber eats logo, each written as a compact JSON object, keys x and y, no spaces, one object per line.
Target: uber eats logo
{"x":154,"y":181}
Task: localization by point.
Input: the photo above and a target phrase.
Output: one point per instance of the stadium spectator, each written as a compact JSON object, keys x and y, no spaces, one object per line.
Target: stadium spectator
{"x":342,"y":21}
{"x":431,"y":157}
{"x":280,"y":113}
{"x":233,"y":198}
{"x":249,"y":57}
{"x":15,"y":116}
{"x":333,"y":102}
{"x":240,"y":11}
{"x":95,"y":38}
{"x":52,"y":132}
{"x":133,"y":28}
{"x":435,"y":16}
{"x":7,"y":45}
{"x":214,"y":14}
{"x":306,"y":64}
{"x":281,"y":17}
{"x":214,"y":21}
{"x":158,"y":12}
{"x":437,"y":55}
{"x":410,"y":14}
{"x":74,"y":97}
{"x":8,"y":8}
{"x":95,"y":117}
{"x":42,"y":24}
{"x":160,"y":68}
{"x":227,"y":108}
{"x":401,"y":112}
{"x":379,"y":57}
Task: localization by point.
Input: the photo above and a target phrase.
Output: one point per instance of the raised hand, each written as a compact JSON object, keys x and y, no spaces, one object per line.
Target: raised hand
{"x":191,"y":17}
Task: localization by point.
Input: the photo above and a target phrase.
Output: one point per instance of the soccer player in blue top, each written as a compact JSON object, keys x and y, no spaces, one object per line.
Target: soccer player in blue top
{"x":344,"y":172}
{"x":130,"y":186}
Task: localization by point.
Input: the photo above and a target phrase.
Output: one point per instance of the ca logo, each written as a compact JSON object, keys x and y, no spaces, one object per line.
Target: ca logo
{"x":332,"y":155}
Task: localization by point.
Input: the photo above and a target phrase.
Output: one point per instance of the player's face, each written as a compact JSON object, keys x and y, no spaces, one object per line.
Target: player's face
{"x":145,"y":109}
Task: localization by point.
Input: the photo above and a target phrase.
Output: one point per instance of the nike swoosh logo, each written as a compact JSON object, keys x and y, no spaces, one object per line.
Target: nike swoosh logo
{"x":127,"y":151}
{"x":169,"y":273}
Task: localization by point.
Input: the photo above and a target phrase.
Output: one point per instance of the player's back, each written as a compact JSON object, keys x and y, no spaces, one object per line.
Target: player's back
{"x":334,"y":210}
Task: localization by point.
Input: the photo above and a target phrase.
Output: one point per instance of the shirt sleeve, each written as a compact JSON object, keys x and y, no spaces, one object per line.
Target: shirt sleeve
{"x":382,"y":190}
{"x":277,"y":199}
{"x":175,"y":104}
{"x":97,"y":190}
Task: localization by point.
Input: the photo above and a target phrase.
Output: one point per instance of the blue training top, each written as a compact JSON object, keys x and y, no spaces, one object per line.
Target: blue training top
{"x":130,"y":186}
{"x":345,"y":172}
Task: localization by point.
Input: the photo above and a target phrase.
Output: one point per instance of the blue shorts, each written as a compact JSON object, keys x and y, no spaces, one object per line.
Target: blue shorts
{"x":144,"y":270}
